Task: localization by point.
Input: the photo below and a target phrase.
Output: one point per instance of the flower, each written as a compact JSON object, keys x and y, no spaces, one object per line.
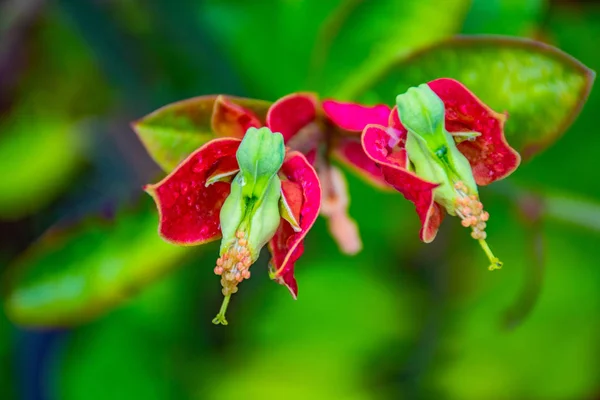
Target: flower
{"x":439,"y":143}
{"x":312,"y":129}
{"x":248,"y":192}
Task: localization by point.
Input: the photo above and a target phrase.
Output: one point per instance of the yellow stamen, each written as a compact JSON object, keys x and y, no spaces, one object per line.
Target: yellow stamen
{"x":495,"y":261}
{"x":220,"y":318}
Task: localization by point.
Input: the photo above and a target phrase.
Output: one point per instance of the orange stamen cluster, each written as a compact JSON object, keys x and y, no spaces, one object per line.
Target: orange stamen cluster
{"x":233,"y":266}
{"x":470,"y":210}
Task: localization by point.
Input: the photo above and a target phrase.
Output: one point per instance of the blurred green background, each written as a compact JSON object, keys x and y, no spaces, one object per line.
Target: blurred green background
{"x":402,"y":320}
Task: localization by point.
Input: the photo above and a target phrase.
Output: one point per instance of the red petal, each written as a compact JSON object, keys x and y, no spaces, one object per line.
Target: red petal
{"x":354,"y":117}
{"x":286,"y":246}
{"x":490,"y":155}
{"x":398,"y":129}
{"x":232,"y":120}
{"x":350,"y":152}
{"x":294,"y":197}
{"x":189,"y":211}
{"x":375,"y":141}
{"x":291,"y":113}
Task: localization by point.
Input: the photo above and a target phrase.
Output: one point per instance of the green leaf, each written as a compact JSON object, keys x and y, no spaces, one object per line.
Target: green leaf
{"x":7,"y":367}
{"x":331,"y":46}
{"x":541,"y":88}
{"x":39,"y":155}
{"x":174,"y":131}
{"x":70,"y":276}
{"x":377,"y":34}
{"x":159,"y":331}
{"x":505,"y":17}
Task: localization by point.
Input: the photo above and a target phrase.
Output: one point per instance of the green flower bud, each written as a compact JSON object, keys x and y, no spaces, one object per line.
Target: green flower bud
{"x":252,"y":207}
{"x":250,"y":214}
{"x":431,"y":148}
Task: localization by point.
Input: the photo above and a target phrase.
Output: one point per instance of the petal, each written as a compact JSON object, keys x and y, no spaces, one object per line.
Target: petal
{"x":396,"y":128}
{"x":376,"y":143}
{"x":224,"y":172}
{"x":188,"y":209}
{"x":232,"y":120}
{"x":350,"y":152}
{"x":291,"y":113}
{"x":353,"y":116}
{"x":334,"y":207}
{"x":292,"y":199}
{"x":490,"y":155}
{"x":286,"y":246}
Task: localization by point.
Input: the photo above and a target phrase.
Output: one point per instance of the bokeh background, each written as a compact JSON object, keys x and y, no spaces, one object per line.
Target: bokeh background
{"x":402,"y":320}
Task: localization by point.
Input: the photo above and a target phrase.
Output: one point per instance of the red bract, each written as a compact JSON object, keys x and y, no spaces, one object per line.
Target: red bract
{"x":188,"y":208}
{"x":353,"y":118}
{"x":317,"y":133}
{"x":384,"y":150}
{"x":189,"y":202}
{"x":489,"y":155}
{"x":302,"y":192}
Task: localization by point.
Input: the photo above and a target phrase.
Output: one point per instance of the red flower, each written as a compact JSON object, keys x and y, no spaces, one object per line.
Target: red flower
{"x":314,"y":131}
{"x":191,"y":198}
{"x":478,"y":135}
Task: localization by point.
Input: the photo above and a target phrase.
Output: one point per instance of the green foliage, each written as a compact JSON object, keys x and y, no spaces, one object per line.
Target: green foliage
{"x":72,"y":275}
{"x":332,"y":46}
{"x":401,"y":319}
{"x":173,"y":132}
{"x":7,"y":342}
{"x":42,"y":138}
{"x":39,"y":155}
{"x":505,"y":17}
{"x":541,"y":88}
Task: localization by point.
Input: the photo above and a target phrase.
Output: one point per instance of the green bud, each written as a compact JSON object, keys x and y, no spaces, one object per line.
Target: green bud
{"x":431,"y":148}
{"x":259,"y":156}
{"x":252,"y":206}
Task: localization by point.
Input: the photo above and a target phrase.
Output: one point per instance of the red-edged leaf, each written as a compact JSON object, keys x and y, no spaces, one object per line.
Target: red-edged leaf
{"x":286,"y":246}
{"x":376,"y":144}
{"x":232,"y":120}
{"x":174,"y":131}
{"x":505,"y":73}
{"x":489,"y":154}
{"x":353,"y":116}
{"x":291,"y":113}
{"x":188,"y":209}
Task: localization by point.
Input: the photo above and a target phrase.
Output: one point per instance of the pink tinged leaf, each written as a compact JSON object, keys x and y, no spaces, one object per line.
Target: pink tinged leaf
{"x":286,"y":246}
{"x":376,"y":144}
{"x":189,"y":208}
{"x":354,"y":117}
{"x":232,"y":120}
{"x":349,"y":151}
{"x":490,"y":155}
{"x":291,"y":113}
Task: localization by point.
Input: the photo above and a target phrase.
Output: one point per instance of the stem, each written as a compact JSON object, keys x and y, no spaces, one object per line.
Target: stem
{"x":220,"y":318}
{"x":495,"y":261}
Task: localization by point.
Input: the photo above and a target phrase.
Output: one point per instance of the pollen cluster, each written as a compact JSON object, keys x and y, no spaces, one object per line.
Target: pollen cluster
{"x":233,"y":265}
{"x":470,"y":210}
